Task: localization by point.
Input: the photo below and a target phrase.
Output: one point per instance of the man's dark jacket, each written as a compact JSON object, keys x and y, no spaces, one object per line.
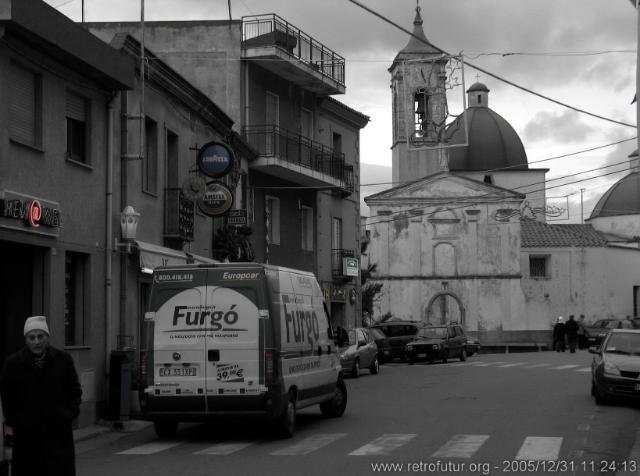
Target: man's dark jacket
{"x":40,"y":405}
{"x":571,"y":328}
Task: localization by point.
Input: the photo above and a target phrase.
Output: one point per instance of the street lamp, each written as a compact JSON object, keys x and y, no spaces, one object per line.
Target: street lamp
{"x":128,"y":227}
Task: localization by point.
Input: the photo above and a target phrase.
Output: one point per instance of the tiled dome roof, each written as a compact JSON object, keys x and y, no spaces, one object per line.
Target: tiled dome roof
{"x":623,"y":198}
{"x":493,"y":143}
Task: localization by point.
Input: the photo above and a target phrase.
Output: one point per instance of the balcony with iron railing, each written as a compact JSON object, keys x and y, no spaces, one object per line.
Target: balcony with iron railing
{"x":298,"y":159}
{"x":287,"y":51}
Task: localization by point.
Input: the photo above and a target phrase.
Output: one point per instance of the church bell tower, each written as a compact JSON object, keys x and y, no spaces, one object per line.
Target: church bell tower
{"x":419,"y":105}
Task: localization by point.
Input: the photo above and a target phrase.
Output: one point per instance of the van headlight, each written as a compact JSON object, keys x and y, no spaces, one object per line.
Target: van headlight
{"x":436,"y":346}
{"x":409,"y":347}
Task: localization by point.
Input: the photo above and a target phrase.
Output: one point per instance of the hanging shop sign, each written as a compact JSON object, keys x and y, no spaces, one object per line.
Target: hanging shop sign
{"x":237,"y":217}
{"x":217,"y":199}
{"x":338,"y":294}
{"x":350,"y":266}
{"x":29,"y":213}
{"x":215,"y":159}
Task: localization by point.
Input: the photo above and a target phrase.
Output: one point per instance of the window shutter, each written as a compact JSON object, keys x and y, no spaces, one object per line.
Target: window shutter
{"x":76,"y":107}
{"x":22,"y":123}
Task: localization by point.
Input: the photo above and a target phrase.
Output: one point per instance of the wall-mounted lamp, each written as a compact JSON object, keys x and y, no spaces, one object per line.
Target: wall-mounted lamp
{"x":128,"y":227}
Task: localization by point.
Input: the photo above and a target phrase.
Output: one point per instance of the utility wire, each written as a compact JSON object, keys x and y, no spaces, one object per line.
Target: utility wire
{"x":488,"y":73}
{"x":467,"y":202}
{"x":529,"y":163}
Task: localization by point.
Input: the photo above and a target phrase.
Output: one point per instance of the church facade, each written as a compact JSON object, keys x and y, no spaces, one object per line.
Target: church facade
{"x":464,"y":237}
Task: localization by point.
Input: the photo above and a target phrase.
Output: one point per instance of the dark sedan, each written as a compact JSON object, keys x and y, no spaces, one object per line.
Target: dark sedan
{"x":615,"y":370}
{"x":384,"y":346}
{"x":437,"y":343}
{"x":594,"y":333}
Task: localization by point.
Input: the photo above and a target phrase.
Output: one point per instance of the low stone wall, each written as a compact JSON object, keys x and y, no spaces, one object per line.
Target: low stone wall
{"x":498,"y":337}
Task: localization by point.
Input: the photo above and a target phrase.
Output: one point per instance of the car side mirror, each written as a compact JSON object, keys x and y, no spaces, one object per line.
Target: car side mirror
{"x":594,"y":350}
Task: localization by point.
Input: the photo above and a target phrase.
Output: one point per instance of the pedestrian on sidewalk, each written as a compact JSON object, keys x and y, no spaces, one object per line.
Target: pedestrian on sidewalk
{"x":558,"y":335}
{"x":571,"y":329}
{"x":40,"y":398}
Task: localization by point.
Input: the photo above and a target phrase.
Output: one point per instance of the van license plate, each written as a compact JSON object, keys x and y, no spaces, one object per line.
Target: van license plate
{"x":177,"y":371}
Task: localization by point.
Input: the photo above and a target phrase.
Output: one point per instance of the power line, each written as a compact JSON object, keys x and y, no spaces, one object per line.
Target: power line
{"x":591,"y":149}
{"x":469,"y":202}
{"x":488,"y":73}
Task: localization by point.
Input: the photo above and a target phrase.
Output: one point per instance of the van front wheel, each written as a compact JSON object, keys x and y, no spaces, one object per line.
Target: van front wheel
{"x":286,"y":423}
{"x":166,"y":428}
{"x":338,"y":404}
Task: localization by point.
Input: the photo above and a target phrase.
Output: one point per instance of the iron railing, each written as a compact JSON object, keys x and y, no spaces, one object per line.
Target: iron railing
{"x":271,"y":30}
{"x":336,"y":262}
{"x":274,"y":141}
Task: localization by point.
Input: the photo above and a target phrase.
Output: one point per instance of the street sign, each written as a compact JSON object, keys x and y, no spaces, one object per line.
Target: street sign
{"x":237,"y":217}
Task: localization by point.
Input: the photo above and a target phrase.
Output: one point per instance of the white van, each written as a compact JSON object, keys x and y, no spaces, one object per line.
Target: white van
{"x":239,"y":338}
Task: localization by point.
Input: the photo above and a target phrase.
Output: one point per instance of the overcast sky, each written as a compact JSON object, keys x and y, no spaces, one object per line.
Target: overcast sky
{"x":580,"y":52}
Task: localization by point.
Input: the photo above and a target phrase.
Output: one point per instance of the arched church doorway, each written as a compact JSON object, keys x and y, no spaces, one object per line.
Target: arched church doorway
{"x":444,"y":307}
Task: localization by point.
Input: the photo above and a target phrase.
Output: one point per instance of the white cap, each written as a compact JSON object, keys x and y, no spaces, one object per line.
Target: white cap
{"x":559,"y":318}
{"x":34,"y":323}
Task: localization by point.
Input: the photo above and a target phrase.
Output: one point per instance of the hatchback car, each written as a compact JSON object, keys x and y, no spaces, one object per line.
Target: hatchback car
{"x":398,"y":334}
{"x":615,"y":369}
{"x":595,"y":332}
{"x":437,"y":343}
{"x":359,"y":352}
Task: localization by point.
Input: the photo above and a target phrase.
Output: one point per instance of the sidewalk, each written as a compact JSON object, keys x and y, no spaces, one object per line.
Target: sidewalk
{"x":128,"y":426}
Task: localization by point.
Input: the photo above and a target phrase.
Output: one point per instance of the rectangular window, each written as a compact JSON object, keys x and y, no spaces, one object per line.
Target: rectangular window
{"x":337,"y":143}
{"x":25,"y":110}
{"x":307,"y":228}
{"x":306,"y":124}
{"x":75,"y":274}
{"x":150,"y":159}
{"x":538,"y":266}
{"x":77,"y":115}
{"x":272,"y":219}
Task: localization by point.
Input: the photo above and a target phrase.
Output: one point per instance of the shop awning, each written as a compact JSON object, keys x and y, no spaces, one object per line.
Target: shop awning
{"x":152,"y":256}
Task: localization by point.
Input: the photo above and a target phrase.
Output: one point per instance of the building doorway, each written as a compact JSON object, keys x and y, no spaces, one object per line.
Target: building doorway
{"x":21,"y":292}
{"x":444,"y":308}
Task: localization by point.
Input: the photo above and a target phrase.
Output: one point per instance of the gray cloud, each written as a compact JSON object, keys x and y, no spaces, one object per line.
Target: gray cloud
{"x":564,"y":127}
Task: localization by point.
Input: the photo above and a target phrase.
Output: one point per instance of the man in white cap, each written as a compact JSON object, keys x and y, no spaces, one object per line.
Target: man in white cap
{"x":40,"y":398}
{"x":558,"y":335}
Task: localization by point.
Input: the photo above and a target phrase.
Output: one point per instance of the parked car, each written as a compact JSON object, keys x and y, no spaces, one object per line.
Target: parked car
{"x":398,"y":334}
{"x":437,"y":343}
{"x":359,"y":352}
{"x":615,"y":369}
{"x":473,"y":346}
{"x":595,"y":333}
{"x":382,"y":341}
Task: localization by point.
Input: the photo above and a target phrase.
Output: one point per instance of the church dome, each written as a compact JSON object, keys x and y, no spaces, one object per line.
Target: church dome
{"x":493,"y":143}
{"x":623,"y":198}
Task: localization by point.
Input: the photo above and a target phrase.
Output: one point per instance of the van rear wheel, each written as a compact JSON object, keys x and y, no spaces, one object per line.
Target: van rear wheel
{"x":166,"y":428}
{"x":286,"y":423}
{"x":338,"y":404}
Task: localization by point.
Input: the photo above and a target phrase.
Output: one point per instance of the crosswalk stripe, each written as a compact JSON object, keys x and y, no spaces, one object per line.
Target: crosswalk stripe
{"x":540,"y":448}
{"x":384,"y":444}
{"x":512,"y":365}
{"x":310,"y":444}
{"x":222,"y":449}
{"x":584,"y":369}
{"x":460,"y":446}
{"x":535,"y":366}
{"x":150,"y":448}
{"x":562,"y":367}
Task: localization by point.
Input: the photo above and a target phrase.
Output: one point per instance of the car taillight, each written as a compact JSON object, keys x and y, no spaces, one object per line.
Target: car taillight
{"x":269,"y":367}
